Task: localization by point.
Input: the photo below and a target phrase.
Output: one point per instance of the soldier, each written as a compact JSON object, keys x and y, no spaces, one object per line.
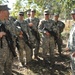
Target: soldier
{"x":47,"y":27}
{"x":71,"y":44}
{"x":33,"y":32}
{"x":24,"y":50}
{"x":60,"y":25}
{"x":6,"y":43}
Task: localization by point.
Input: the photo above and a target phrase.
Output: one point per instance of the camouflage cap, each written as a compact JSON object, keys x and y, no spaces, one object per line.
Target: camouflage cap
{"x":33,"y":10}
{"x":21,"y":13}
{"x":73,"y":11}
{"x":46,"y":11}
{"x":4,"y":7}
{"x":56,"y":14}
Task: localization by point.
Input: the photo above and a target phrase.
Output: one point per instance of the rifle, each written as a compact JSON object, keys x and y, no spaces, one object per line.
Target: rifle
{"x":51,"y":32}
{"x":9,"y":39}
{"x":17,"y":43}
{"x":25,"y":37}
{"x":36,"y":34}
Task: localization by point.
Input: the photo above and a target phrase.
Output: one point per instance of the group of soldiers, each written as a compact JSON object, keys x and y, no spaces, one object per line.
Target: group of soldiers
{"x":26,"y":35}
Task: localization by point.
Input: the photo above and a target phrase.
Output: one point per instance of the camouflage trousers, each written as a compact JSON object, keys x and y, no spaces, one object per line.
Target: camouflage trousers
{"x":58,"y":41}
{"x":48,"y":46}
{"x":36,"y":50}
{"x":6,"y":59}
{"x":24,"y":53}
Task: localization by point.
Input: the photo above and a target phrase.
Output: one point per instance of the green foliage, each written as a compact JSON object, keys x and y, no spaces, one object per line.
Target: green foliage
{"x":61,"y":6}
{"x":16,"y":8}
{"x":3,"y":1}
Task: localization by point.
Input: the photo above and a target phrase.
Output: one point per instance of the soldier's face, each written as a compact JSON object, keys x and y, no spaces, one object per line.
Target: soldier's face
{"x":73,"y":16}
{"x":21,"y":17}
{"x":56,"y":17}
{"x":32,"y":13}
{"x":5,"y":14}
{"x":46,"y":16}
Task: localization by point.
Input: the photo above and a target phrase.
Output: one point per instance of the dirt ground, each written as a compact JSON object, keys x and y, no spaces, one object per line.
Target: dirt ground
{"x":36,"y":67}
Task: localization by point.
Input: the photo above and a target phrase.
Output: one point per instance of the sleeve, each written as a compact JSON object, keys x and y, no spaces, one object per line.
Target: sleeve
{"x":40,"y":26}
{"x":73,"y":40}
{"x":69,"y":45}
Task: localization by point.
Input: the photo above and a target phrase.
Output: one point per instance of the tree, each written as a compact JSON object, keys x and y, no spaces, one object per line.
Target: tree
{"x":3,"y":1}
{"x":61,"y":6}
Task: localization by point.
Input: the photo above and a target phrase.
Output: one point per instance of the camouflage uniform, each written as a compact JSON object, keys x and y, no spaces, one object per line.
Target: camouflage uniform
{"x":8,"y":66}
{"x":60,"y":25}
{"x":32,"y":37}
{"x":47,"y":40}
{"x":24,"y":51}
{"x":71,"y":45}
{"x":6,"y":56}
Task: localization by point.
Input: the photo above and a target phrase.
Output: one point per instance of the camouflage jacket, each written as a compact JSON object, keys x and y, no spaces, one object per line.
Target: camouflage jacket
{"x":9,"y":26}
{"x":60,"y":26}
{"x":35,"y":22}
{"x":48,"y":24}
{"x":23,"y":24}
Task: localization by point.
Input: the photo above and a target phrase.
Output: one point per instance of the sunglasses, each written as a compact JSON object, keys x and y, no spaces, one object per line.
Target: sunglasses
{"x":46,"y":14}
{"x":21,"y":14}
